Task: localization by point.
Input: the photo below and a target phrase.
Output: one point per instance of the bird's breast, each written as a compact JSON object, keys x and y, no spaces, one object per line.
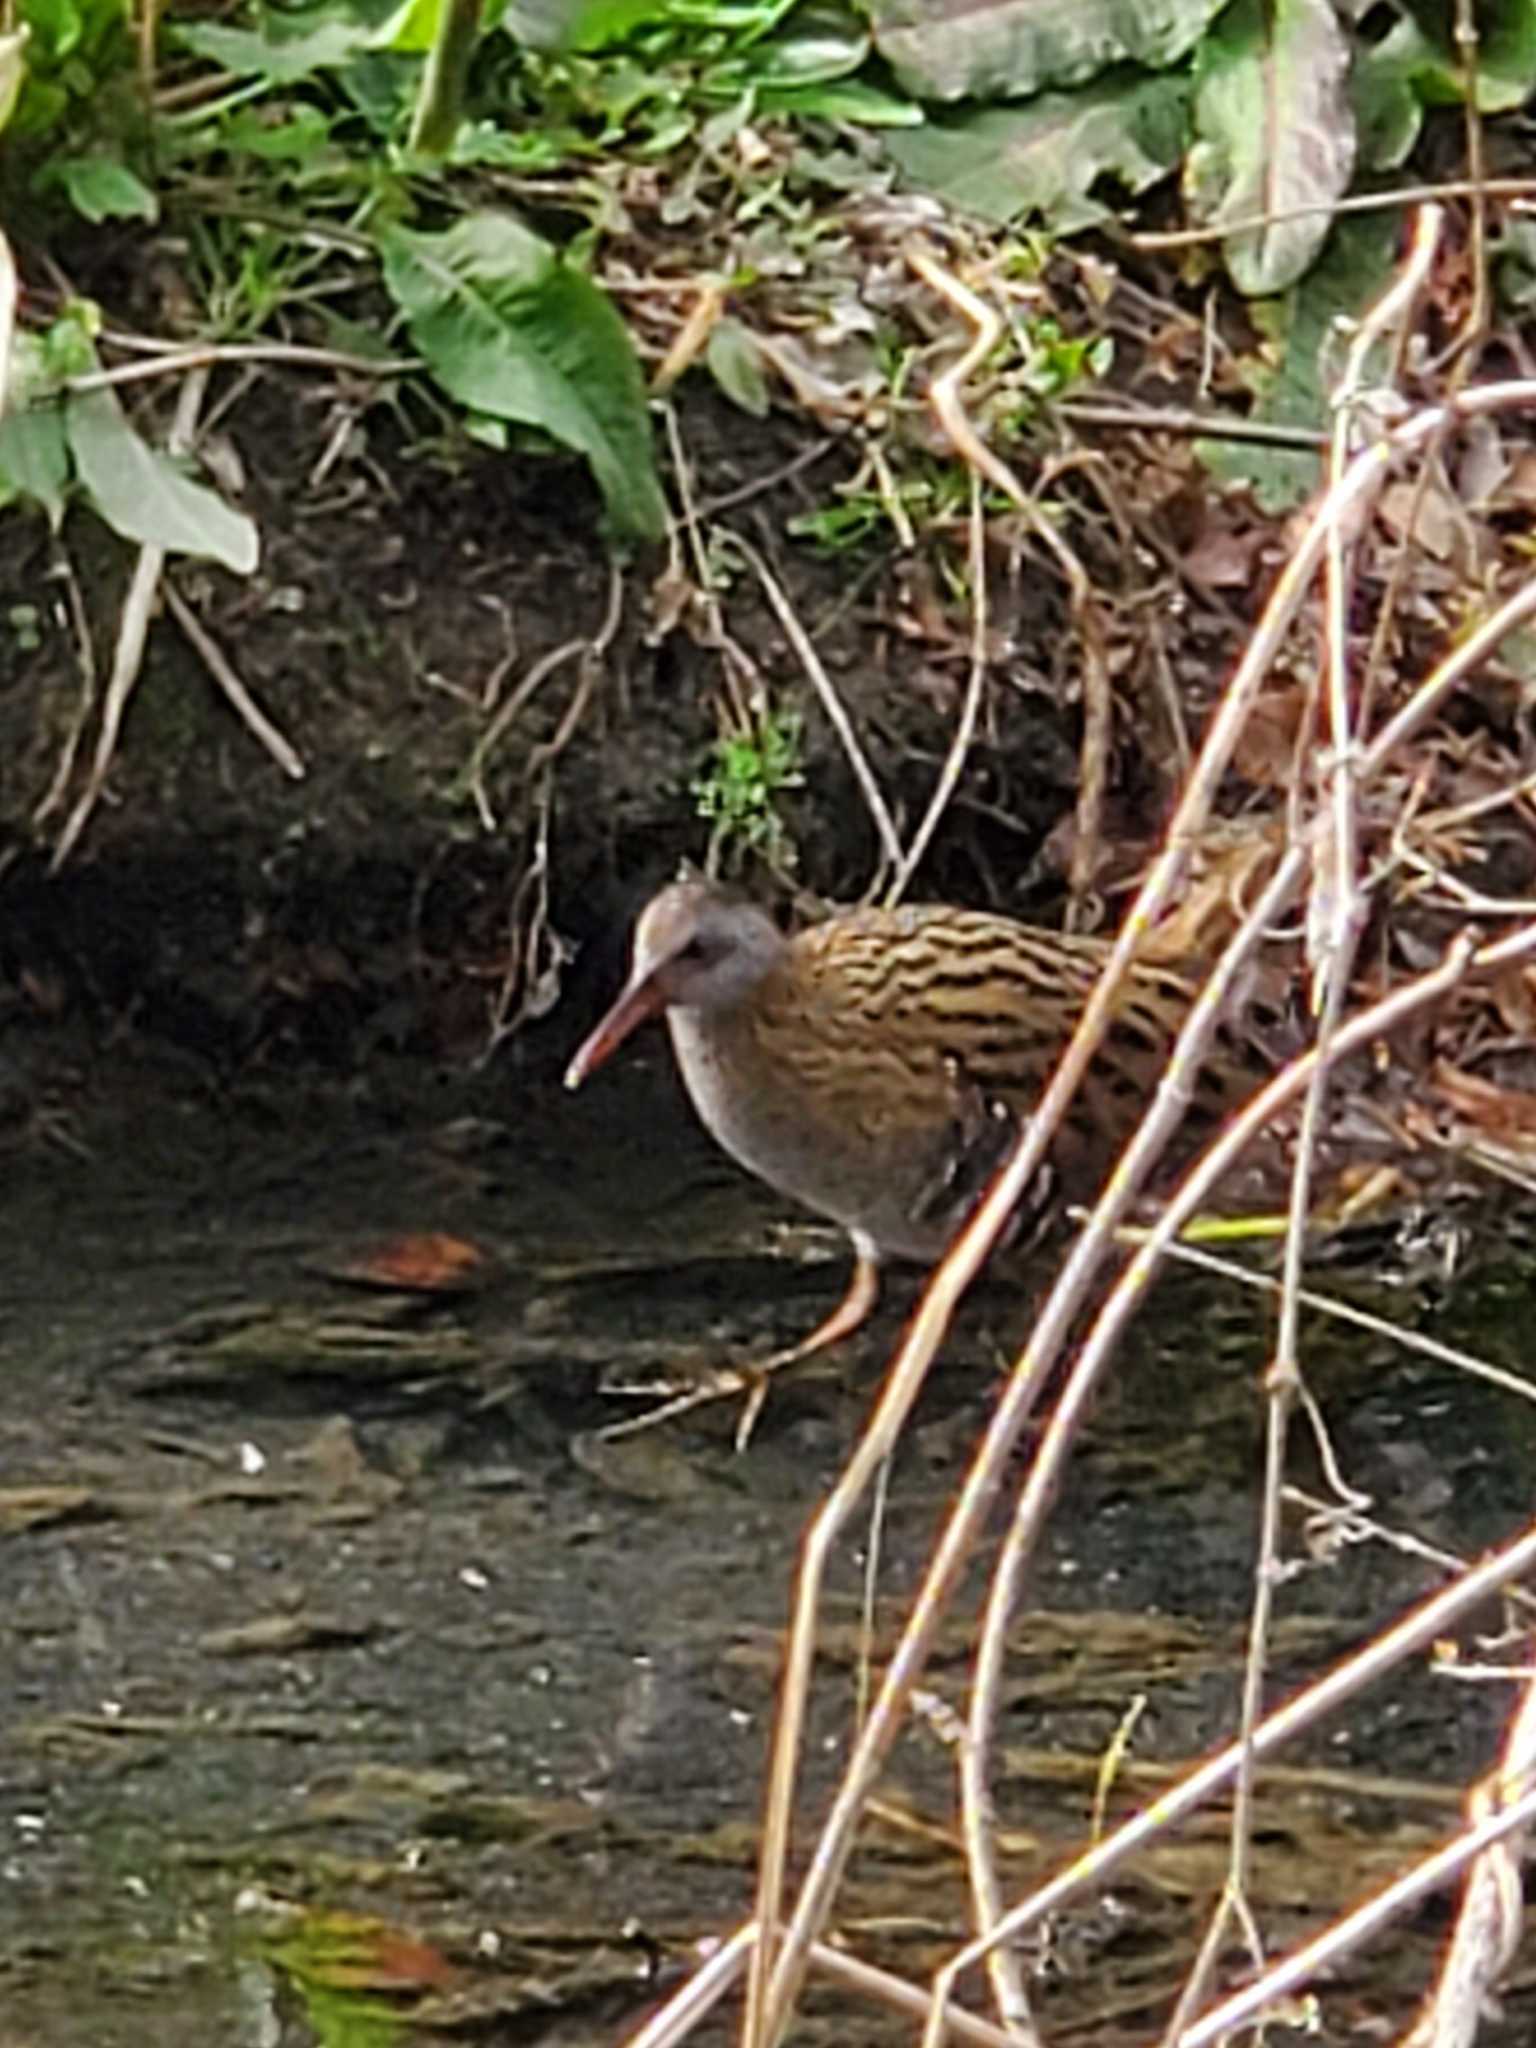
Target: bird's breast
{"x":820,"y":1124}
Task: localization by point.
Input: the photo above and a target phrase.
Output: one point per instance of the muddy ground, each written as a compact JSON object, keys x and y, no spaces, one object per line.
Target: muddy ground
{"x":346,"y":1687}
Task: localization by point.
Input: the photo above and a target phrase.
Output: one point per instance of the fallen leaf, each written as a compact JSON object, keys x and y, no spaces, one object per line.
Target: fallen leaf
{"x":423,"y":1262}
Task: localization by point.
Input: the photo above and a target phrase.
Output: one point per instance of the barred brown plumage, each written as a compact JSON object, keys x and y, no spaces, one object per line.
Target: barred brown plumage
{"x":873,"y":1066}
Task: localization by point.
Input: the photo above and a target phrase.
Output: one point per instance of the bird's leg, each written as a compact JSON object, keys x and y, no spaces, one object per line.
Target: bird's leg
{"x":858,"y":1301}
{"x":855,"y":1309}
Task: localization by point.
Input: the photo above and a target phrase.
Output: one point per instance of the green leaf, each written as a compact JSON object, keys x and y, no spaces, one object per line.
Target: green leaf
{"x":34,"y":461}
{"x":1410,"y":69}
{"x":41,"y":107}
{"x":43,"y":361}
{"x":511,"y":330}
{"x":1513,"y":263}
{"x":1301,"y":343}
{"x":302,"y":138}
{"x":1506,"y":56}
{"x":100,"y":188}
{"x":279,"y":59}
{"x":553,"y":25}
{"x":1388,"y":108}
{"x":1001,"y":162}
{"x":539,"y":149}
{"x":412,"y":26}
{"x":59,"y":27}
{"x":67,"y":345}
{"x":815,"y":47}
{"x":846,"y":99}
{"x":996,"y":49}
{"x":737,"y":368}
{"x":143,"y":495}
{"x":73,"y":28}
{"x":13,"y":70}
{"x":1273,"y":110}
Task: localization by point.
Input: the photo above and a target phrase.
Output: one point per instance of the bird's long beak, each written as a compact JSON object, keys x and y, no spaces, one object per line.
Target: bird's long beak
{"x":640,"y":1000}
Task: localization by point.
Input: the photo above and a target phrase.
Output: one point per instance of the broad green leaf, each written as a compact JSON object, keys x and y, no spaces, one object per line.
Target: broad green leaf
{"x":1506,"y":56}
{"x":381,"y":87}
{"x":1506,"y":52}
{"x":1277,"y":134}
{"x":143,"y":495}
{"x":63,"y":29}
{"x":34,"y":462}
{"x":1002,"y":49}
{"x":552,"y":25}
{"x":1001,"y":162}
{"x":100,"y":188}
{"x":280,"y":60}
{"x":1293,"y":376}
{"x":40,"y":107}
{"x":510,"y":329}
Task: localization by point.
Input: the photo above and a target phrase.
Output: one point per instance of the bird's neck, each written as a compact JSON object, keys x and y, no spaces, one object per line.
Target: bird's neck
{"x":726,"y":1052}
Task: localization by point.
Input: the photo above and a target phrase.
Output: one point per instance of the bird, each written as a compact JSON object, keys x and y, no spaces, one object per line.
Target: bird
{"x":874,"y":1067}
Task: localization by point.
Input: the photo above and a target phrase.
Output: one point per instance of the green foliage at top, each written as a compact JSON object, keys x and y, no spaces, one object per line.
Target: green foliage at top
{"x":296,"y":116}
{"x":304,"y":154}
{"x":514,"y":333}
{"x":1003,"y":52}
{"x":1048,"y":102}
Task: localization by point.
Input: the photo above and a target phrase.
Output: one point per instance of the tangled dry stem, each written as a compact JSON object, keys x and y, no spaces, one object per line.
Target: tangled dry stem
{"x":1327,"y":851}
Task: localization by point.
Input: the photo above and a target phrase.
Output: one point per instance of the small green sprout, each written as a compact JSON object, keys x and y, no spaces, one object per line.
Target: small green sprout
{"x":747,"y":772}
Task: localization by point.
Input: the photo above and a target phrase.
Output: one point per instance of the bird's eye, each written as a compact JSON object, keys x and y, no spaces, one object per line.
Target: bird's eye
{"x":695,"y":951}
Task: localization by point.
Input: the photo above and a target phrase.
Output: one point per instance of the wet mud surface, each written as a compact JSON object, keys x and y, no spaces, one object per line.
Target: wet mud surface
{"x":350,"y":1695}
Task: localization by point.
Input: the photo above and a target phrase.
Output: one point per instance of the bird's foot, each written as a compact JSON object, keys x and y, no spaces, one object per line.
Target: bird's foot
{"x":724,"y":1382}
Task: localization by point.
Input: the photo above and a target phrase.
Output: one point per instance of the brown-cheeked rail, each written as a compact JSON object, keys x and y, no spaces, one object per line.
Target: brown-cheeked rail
{"x":872,"y":1066}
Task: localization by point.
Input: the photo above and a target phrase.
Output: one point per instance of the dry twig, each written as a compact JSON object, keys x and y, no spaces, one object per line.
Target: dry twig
{"x":243,"y":703}
{"x":132,"y":633}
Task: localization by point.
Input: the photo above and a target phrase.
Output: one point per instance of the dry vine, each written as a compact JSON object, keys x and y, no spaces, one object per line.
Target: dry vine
{"x":1324,"y":854}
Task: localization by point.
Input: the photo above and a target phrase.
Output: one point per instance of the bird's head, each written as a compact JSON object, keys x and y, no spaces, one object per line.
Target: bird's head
{"x":695,"y":948}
